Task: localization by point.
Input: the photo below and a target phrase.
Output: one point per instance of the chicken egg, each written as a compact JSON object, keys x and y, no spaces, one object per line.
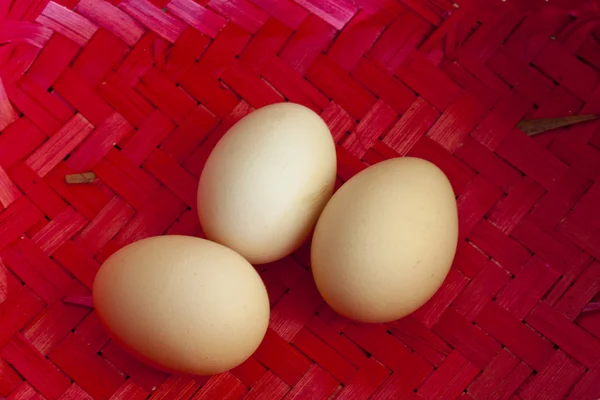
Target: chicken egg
{"x":386,"y":240}
{"x":266,"y":182}
{"x":182,"y":304}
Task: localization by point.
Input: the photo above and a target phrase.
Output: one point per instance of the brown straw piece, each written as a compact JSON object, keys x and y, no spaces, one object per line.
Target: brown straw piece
{"x":534,"y":127}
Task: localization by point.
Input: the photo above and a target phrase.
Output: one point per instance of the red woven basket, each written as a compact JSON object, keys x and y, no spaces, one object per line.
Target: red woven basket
{"x":109,"y":109}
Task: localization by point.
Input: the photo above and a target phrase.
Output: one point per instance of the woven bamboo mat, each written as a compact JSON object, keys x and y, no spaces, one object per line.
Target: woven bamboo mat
{"x":125,"y":99}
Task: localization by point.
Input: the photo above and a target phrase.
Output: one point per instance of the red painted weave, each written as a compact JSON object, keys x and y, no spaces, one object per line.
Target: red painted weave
{"x":139,"y":92}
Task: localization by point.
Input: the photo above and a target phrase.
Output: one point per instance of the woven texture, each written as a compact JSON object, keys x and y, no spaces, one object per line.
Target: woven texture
{"x":138,"y":92}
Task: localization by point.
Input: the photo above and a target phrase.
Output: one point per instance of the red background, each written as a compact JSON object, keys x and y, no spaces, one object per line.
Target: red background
{"x":138,"y":92}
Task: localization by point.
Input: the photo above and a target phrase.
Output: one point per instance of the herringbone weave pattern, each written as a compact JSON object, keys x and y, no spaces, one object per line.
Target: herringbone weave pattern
{"x":139,"y":91}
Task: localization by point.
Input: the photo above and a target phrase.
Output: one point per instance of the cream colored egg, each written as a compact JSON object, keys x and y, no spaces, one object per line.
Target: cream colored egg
{"x":182,"y":304}
{"x":385,"y":241}
{"x":266,"y":182}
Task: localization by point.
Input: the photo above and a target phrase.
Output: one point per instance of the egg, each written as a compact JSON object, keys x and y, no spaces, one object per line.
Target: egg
{"x":182,"y":304}
{"x":386,"y":240}
{"x":266,"y":182}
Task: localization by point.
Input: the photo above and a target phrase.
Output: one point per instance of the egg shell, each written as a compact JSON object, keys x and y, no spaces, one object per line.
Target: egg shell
{"x":182,"y":304}
{"x":266,"y":182}
{"x":386,"y":240}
